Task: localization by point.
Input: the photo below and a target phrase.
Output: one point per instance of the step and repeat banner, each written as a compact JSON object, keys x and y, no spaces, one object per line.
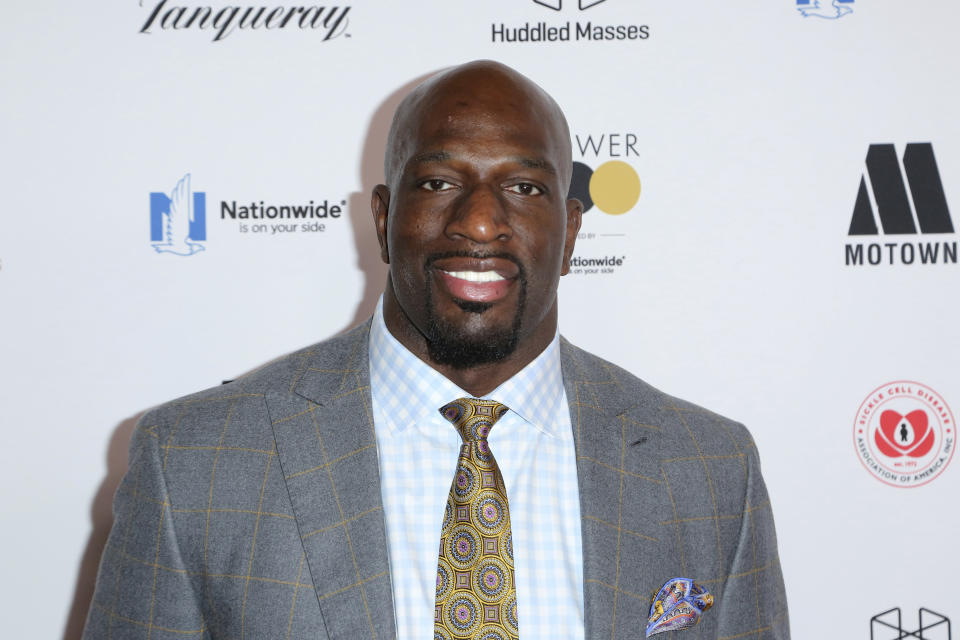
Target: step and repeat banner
{"x":771,"y":231}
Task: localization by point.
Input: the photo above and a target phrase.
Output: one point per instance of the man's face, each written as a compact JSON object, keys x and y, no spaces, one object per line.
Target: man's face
{"x":478,"y":229}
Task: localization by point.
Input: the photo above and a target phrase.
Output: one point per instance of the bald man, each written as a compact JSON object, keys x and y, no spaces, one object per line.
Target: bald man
{"x":452,"y":466}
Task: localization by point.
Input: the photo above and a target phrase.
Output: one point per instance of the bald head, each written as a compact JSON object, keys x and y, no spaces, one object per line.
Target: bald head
{"x":500,"y":94}
{"x":475,"y":222}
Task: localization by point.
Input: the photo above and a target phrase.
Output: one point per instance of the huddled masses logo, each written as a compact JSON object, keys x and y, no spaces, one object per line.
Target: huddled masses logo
{"x":178,"y":222}
{"x":613,"y":186}
{"x":557,"y":5}
{"x":904,"y":433}
{"x":883,"y":184}
{"x":931,"y":626}
{"x":584,"y":29}
{"x":829,"y":10}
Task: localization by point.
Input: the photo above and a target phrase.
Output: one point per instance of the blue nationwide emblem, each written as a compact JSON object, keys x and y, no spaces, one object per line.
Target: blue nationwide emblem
{"x":827,"y":9}
{"x":178,"y":222}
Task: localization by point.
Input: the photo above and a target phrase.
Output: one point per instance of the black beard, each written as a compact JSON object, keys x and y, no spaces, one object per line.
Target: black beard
{"x":446,"y":343}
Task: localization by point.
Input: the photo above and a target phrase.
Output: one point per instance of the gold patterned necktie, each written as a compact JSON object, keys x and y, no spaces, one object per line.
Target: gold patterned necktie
{"x":476,"y":593}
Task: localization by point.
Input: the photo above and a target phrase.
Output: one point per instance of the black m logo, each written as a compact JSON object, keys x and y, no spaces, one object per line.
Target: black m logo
{"x":890,"y":193}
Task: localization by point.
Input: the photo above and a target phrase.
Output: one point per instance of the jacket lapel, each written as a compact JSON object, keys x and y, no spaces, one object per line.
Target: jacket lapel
{"x":621,"y":502}
{"x":327,"y":451}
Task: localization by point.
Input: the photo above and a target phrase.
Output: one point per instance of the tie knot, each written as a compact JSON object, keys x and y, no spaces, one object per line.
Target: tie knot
{"x":473,"y":418}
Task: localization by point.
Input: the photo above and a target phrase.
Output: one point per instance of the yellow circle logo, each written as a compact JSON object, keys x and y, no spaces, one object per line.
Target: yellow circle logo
{"x":615,"y":187}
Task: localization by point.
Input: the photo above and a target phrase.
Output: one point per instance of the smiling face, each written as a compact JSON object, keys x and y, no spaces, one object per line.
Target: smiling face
{"x":476,"y":225}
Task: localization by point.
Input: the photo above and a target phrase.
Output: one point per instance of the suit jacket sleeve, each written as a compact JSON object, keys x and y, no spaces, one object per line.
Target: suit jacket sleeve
{"x":753,"y":600}
{"x":143,"y":587}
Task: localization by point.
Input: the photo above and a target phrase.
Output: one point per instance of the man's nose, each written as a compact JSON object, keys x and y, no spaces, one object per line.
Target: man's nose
{"x":480,"y":216}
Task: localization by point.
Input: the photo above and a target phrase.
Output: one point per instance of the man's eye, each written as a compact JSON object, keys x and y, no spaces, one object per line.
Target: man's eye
{"x":525,"y":189}
{"x":436,"y":185}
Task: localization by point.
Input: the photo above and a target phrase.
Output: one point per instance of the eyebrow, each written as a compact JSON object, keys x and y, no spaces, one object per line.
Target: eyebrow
{"x":537,"y":163}
{"x":542,"y":164}
{"x":431,"y":156}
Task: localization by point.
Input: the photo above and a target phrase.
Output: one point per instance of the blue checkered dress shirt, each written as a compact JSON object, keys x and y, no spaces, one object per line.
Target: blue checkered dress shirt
{"x":533,"y":444}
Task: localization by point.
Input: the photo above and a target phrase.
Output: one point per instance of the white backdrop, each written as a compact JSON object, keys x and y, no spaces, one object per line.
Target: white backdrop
{"x":751,"y":125}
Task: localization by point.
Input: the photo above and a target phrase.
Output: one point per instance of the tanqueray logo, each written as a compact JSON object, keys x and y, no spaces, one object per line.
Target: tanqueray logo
{"x":557,"y":5}
{"x":829,"y":10}
{"x":330,"y":21}
{"x":178,"y":222}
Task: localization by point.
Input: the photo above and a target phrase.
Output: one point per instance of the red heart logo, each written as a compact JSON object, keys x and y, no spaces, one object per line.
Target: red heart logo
{"x":901,"y":435}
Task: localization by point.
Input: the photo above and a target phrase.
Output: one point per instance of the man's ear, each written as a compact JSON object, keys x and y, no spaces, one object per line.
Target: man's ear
{"x":574,"y":217}
{"x":380,"y":206}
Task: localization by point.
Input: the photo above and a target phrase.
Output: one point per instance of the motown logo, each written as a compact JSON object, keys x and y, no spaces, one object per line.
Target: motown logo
{"x":557,"y":5}
{"x":178,"y":222}
{"x":890,"y":193}
{"x":884,"y":203}
{"x":904,"y":433}
{"x":827,"y":9}
{"x":889,"y":626}
{"x":613,"y":186}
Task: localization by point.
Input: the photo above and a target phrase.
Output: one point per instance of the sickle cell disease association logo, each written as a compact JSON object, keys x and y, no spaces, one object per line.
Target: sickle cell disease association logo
{"x":904,"y":433}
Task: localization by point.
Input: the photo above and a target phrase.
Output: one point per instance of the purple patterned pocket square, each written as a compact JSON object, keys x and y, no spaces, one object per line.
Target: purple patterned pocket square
{"x":677,"y":605}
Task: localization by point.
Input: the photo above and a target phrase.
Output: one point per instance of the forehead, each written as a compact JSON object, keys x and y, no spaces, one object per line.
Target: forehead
{"x":484,"y":113}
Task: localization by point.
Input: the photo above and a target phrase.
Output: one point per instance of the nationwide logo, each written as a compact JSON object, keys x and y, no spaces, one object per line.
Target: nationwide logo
{"x":276,"y":219}
{"x":829,"y":10}
{"x":329,"y":21}
{"x":904,"y":433}
{"x":883,"y":194}
{"x":591,"y":266}
{"x":544,"y":32}
{"x":178,"y":222}
{"x":931,"y":626}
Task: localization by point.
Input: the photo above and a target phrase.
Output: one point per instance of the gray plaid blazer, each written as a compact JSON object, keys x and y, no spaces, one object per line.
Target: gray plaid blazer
{"x":253,"y":510}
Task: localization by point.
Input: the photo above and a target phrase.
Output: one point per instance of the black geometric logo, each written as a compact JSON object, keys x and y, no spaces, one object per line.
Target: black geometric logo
{"x":557,"y":5}
{"x":893,"y":207}
{"x":889,"y":626}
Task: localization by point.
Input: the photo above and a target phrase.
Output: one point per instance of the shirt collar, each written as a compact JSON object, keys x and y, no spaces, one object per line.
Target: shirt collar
{"x":408,"y":390}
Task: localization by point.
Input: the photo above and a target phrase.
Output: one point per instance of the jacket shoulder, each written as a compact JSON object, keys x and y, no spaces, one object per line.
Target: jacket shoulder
{"x":681,"y":425}
{"x":237,"y":406}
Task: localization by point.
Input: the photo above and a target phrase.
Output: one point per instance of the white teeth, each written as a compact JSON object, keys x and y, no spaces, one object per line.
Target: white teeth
{"x":476,"y":276}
